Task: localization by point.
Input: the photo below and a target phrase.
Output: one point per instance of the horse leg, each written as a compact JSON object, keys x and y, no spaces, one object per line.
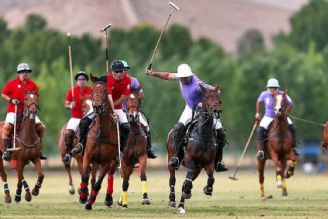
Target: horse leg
{"x":187,"y":186}
{"x":71,"y":188}
{"x":279,"y":170}
{"x":19,"y":170}
{"x":5,"y":184}
{"x":84,"y":183}
{"x":28,"y":196}
{"x":260,"y":168}
{"x":143,"y":178}
{"x":110,"y":185}
{"x":97,"y":186}
{"x":38,"y":184}
{"x":208,"y":189}
{"x":172,"y":187}
{"x":292,"y":165}
{"x":126,"y":171}
{"x":283,"y":181}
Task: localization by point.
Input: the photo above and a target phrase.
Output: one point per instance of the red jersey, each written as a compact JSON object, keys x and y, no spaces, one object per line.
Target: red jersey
{"x":118,"y":88}
{"x":78,"y":98}
{"x":16,"y":89}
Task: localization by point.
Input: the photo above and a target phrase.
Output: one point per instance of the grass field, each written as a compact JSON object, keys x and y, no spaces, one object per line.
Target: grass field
{"x":308,"y":197}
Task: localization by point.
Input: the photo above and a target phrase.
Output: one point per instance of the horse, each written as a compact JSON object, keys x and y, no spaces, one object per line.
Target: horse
{"x":200,"y":149}
{"x":29,"y":142}
{"x":101,"y":146}
{"x":279,"y":147}
{"x":62,"y":150}
{"x":324,"y":143}
{"x":135,"y":151}
{"x":2,"y":170}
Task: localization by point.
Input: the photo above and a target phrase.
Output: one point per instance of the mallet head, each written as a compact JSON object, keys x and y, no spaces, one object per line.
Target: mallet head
{"x":174,"y":6}
{"x":68,"y":34}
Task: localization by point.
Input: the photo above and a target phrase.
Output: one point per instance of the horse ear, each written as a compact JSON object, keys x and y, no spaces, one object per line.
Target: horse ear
{"x":202,"y":87}
{"x":93,"y":79}
{"x":286,"y":91}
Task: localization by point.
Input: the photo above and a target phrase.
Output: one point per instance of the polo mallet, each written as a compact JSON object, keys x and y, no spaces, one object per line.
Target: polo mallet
{"x":14,"y":143}
{"x":118,"y":144}
{"x":106,"y":40}
{"x":174,"y":7}
{"x":233,"y":177}
{"x":70,"y":62}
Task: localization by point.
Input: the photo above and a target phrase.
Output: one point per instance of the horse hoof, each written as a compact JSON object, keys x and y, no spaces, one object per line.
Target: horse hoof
{"x":7,"y":198}
{"x":28,"y":196}
{"x":88,"y":207}
{"x":82,"y":200}
{"x":17,"y":198}
{"x":284,"y":193}
{"x":207,"y":191}
{"x":289,"y":174}
{"x":145,"y":201}
{"x":124,"y":206}
{"x":279,"y":185}
{"x":109,"y":201}
{"x":181,"y":210}
{"x":172,"y":204}
{"x":186,"y":196}
{"x":35,"y":191}
{"x":71,"y":190}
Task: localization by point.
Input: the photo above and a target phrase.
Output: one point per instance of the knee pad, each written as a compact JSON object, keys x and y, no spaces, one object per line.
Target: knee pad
{"x":261,"y":133}
{"x":221,"y":137}
{"x":68,"y":137}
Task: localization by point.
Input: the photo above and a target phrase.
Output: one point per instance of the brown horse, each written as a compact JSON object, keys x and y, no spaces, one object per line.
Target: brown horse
{"x":280,"y":142}
{"x":78,"y":157}
{"x":200,"y":149}
{"x":2,"y":170}
{"x":101,"y":146}
{"x":135,"y":151}
{"x":29,"y":142}
{"x":324,"y":143}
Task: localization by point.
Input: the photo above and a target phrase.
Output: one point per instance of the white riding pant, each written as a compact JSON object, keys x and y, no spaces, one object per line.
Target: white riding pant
{"x":265,"y":121}
{"x":10,"y":117}
{"x":121,"y":115}
{"x":73,"y":123}
{"x":186,"y":117}
{"x":143,"y":121}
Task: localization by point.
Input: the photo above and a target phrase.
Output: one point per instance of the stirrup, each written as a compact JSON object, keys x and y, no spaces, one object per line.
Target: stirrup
{"x":77,"y":149}
{"x":6,"y":156}
{"x":260,"y":154}
{"x":174,"y":162}
{"x":220,"y":167}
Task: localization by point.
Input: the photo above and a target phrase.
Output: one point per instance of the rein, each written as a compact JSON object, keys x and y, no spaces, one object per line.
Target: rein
{"x":307,"y":121}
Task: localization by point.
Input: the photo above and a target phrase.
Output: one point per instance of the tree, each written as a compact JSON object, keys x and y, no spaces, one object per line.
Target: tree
{"x":250,"y":42}
{"x":35,"y":22}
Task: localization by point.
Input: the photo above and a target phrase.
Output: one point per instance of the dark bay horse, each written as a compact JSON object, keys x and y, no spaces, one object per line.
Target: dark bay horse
{"x":200,"y":149}
{"x":324,"y":143}
{"x":2,"y":170}
{"x":101,"y":146}
{"x":29,"y":142}
{"x":280,"y":145}
{"x":78,"y":157}
{"x":135,"y":151}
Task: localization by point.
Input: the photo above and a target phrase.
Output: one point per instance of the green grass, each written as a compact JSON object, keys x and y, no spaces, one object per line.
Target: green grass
{"x":308,"y":197}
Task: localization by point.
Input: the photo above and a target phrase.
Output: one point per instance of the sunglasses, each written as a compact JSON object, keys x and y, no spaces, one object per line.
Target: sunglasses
{"x":81,"y":79}
{"x":22,"y":72}
{"x":118,"y":72}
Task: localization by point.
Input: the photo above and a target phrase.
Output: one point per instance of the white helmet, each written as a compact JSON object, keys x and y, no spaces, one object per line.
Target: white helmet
{"x":272,"y":82}
{"x":184,"y":70}
{"x":23,"y":67}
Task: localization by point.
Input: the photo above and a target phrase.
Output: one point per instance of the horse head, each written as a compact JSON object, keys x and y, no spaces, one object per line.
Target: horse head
{"x":211,"y":101}
{"x":133,"y":104}
{"x":31,"y":103}
{"x":99,"y":94}
{"x":280,"y":103}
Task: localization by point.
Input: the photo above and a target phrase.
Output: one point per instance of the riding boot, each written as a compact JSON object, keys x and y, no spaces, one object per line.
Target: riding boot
{"x":40,"y":129}
{"x":6,"y":154}
{"x":261,"y":136}
{"x":83,"y":132}
{"x":6,"y":133}
{"x":68,"y":139}
{"x":125,"y":131}
{"x":292,"y":130}
{"x":221,"y":141}
{"x":150,"y":151}
{"x":178,"y":137}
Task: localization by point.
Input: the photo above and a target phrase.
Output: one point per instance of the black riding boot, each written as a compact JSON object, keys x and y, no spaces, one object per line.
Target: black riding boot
{"x":150,"y":151}
{"x":125,"y":131}
{"x":6,"y":154}
{"x":292,"y":130}
{"x":261,"y":136}
{"x":221,"y":141}
{"x":178,"y":137}
{"x":83,"y":131}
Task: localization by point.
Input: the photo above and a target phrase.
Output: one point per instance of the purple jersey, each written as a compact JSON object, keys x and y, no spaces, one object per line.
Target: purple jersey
{"x":192,"y":93}
{"x":267,"y":99}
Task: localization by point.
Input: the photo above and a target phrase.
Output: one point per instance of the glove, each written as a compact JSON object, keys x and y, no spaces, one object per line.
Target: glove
{"x":14,"y":101}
